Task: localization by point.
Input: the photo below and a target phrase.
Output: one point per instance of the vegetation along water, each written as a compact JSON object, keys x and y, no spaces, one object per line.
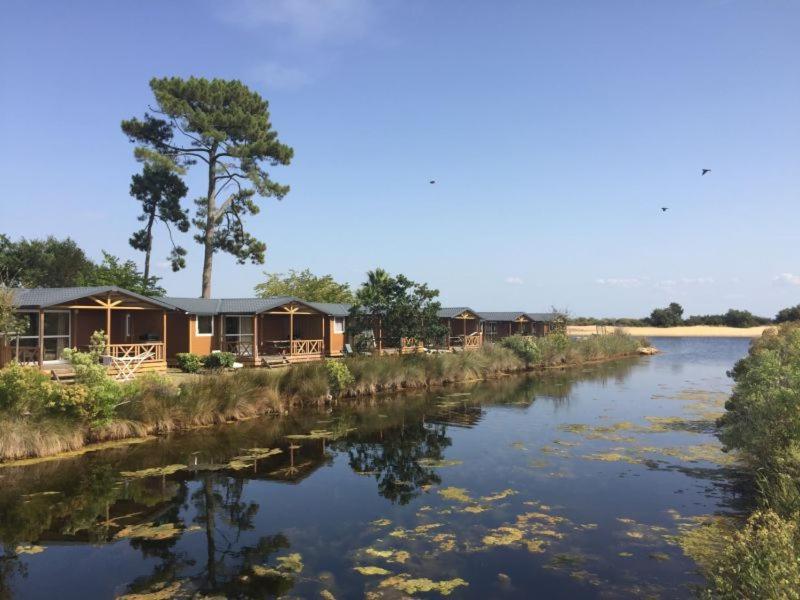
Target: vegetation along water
{"x":576,"y":483}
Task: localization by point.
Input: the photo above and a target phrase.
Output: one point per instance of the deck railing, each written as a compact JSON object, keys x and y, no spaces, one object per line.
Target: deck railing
{"x":27,"y":355}
{"x":155,"y":349}
{"x":306,"y":347}
{"x":473,"y":341}
{"x":239,"y":347}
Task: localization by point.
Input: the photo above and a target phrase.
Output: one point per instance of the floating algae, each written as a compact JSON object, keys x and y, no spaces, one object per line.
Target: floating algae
{"x":446,"y":542}
{"x":292,"y":563}
{"x":314,"y":434}
{"x":456,"y":494}
{"x":405,"y":583}
{"x":437,"y":463}
{"x":153,"y":472}
{"x":391,"y":555}
{"x":287,"y":566}
{"x":162,"y":591}
{"x":381,"y":522}
{"x":499,"y":495}
{"x":475,"y":509}
{"x":518,"y":446}
{"x":659,"y":556}
{"x":372,"y":570}
{"x":612,"y":457}
{"x":149,"y":531}
{"x":28,"y":549}
{"x":503,"y":536}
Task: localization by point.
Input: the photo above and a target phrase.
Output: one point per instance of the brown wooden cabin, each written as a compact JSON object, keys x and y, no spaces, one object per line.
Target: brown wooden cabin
{"x":463,"y":328}
{"x":258,"y":331}
{"x":499,"y":325}
{"x":59,"y":318}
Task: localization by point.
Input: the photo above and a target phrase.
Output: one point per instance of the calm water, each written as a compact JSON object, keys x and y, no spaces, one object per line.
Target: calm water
{"x":564,"y":487}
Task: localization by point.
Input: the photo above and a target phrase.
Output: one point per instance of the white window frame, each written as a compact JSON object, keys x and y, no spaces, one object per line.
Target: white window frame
{"x":197,"y":326}
{"x":68,"y":335}
{"x":128,"y":325}
{"x":238,"y":336}
{"x":339,"y":324}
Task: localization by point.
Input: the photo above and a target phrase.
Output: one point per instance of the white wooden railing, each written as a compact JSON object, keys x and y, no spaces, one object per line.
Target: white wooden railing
{"x":155,"y":349}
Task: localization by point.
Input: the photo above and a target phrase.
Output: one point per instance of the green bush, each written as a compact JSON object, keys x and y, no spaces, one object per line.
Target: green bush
{"x":339,"y":376}
{"x":103,"y":394}
{"x":524,"y":347}
{"x":219,"y":360}
{"x":762,"y":560}
{"x":24,"y":390}
{"x":762,"y":417}
{"x":189,"y":362}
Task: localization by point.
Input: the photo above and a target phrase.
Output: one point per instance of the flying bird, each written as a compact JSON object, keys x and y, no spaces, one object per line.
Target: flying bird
{"x":664,"y":208}
{"x":432,"y":181}
{"x":705,"y":171}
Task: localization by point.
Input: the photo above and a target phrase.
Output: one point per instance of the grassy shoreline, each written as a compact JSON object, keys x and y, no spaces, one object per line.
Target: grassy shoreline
{"x":156,"y":405}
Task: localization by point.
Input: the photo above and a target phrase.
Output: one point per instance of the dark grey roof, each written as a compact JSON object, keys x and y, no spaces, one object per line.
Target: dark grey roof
{"x":195,"y":306}
{"x":333,"y":309}
{"x":502,"y":315}
{"x":451,"y":312}
{"x":47,"y":297}
{"x":546,"y":317}
{"x":250,"y":306}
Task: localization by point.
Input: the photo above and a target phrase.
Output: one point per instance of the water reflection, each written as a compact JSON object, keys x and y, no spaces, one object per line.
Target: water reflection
{"x":196,"y":528}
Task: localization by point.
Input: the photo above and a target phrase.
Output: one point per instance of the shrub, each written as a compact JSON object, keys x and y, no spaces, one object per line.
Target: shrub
{"x":762,"y":560}
{"x":102,"y":393}
{"x":24,"y":390}
{"x":762,"y":417}
{"x":339,"y":376}
{"x":219,"y":360}
{"x":524,"y":347}
{"x":189,"y":362}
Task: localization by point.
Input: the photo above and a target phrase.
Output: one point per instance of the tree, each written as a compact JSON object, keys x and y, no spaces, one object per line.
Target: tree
{"x":788,"y":314}
{"x":160,"y":191}
{"x":112,"y":271}
{"x":672,"y":316}
{"x":43,"y":263}
{"x":306,"y":286}
{"x":10,"y":322}
{"x":402,"y":307}
{"x":225,"y":126}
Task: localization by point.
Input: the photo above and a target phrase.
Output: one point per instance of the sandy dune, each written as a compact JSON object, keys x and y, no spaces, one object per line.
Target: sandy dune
{"x":692,"y":331}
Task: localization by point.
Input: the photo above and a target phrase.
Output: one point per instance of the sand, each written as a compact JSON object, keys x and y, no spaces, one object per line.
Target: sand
{"x":692,"y":331}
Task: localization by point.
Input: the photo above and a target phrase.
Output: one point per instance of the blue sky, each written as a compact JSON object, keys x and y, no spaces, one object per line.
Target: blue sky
{"x":555,"y":130}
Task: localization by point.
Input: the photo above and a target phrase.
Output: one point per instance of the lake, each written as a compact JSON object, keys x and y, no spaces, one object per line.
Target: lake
{"x":565,"y":485}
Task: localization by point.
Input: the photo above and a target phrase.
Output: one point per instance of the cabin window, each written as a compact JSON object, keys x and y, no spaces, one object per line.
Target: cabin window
{"x":205,"y":325}
{"x":239,"y":334}
{"x":56,"y":336}
{"x":338,"y":325}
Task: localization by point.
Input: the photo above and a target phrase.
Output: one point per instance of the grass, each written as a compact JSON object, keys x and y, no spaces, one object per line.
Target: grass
{"x":156,"y":404}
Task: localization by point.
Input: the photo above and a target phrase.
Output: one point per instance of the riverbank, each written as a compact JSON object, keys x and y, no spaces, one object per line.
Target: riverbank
{"x":683,"y":331}
{"x":154,"y":405}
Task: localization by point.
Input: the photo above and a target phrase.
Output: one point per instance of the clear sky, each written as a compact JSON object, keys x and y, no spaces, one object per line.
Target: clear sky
{"x":555,"y":131}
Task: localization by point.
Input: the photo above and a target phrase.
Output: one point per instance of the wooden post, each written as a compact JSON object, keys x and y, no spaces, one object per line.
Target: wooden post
{"x":73,"y":329}
{"x":108,"y":330}
{"x":255,"y":339}
{"x":164,"y":333}
{"x":509,"y":328}
{"x":41,"y":338}
{"x":291,"y":333}
{"x":380,"y":336}
{"x":465,"y":331}
{"x":322,"y":322}
{"x":190,"y":333}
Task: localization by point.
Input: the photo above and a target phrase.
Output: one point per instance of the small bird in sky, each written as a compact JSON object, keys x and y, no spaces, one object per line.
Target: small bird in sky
{"x":432,"y":181}
{"x":664,"y":208}
{"x":705,"y":171}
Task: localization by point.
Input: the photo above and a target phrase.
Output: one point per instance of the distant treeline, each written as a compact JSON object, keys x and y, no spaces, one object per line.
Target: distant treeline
{"x":672,"y":316}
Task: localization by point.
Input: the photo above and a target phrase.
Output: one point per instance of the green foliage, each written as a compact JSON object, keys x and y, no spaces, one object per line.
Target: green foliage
{"x":339,"y":376}
{"x":762,"y":417}
{"x":524,"y":347}
{"x":43,"y":263}
{"x":306,"y":286}
{"x":762,"y":560}
{"x":10,"y":322}
{"x":788,"y":314}
{"x":103,"y":394}
{"x":160,"y":191}
{"x":188,"y":362}
{"x":672,"y":316}
{"x":24,"y":390}
{"x":226,"y":127}
{"x":732,"y":318}
{"x":113,"y":271}
{"x":219,"y":360}
{"x":398,"y":307}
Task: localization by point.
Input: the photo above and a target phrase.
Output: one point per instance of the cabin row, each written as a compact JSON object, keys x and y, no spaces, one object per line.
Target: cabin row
{"x":144,"y":333}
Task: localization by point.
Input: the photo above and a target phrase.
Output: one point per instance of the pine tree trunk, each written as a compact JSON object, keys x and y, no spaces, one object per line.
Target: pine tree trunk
{"x":149,"y":248}
{"x":208,"y":235}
